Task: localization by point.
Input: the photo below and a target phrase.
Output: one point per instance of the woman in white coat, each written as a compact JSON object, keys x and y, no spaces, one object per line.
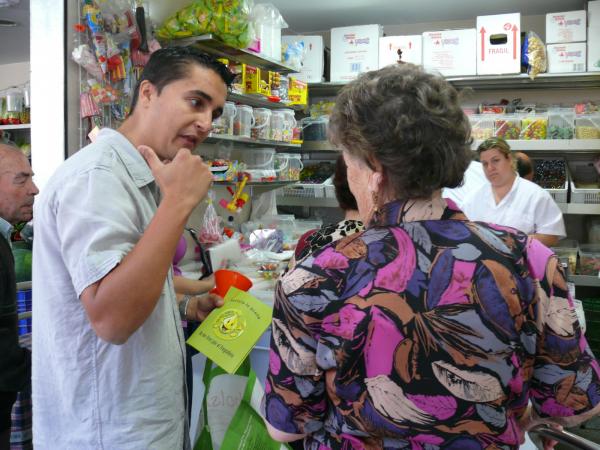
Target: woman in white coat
{"x":510,"y":200}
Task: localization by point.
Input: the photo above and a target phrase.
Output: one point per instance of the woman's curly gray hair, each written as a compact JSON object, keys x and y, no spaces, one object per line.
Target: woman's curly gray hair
{"x":409,"y":121}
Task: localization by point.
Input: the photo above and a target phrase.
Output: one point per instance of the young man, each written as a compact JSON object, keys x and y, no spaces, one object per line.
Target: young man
{"x":109,"y":355}
{"x":17,"y":191}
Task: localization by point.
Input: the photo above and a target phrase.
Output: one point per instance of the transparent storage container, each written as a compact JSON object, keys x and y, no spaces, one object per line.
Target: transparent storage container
{"x":262,"y":123}
{"x":482,"y":126}
{"x":534,"y":127}
{"x":587,"y":126}
{"x":315,"y":129}
{"x":507,"y":126}
{"x":260,"y":164}
{"x":561,"y":123}
{"x":244,"y":121}
{"x":589,"y":259}
{"x":224,"y":124}
{"x":568,"y":248}
{"x":288,"y":166}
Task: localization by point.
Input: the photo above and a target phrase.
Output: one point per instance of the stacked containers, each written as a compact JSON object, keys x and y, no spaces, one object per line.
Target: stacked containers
{"x":244,"y":121}
{"x":561,"y":123}
{"x":534,"y":126}
{"x":262,"y":123}
{"x":288,"y":166}
{"x":224,"y":124}
{"x":587,"y":126}
{"x":507,"y":126}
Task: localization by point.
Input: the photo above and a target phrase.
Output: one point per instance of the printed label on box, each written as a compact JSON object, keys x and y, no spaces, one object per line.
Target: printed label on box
{"x":565,"y":27}
{"x":565,"y":58}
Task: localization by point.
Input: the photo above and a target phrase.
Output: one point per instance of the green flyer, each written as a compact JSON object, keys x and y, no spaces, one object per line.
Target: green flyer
{"x":228,"y":334}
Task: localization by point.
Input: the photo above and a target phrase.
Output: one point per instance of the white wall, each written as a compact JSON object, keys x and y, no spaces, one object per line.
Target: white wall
{"x":14,"y":74}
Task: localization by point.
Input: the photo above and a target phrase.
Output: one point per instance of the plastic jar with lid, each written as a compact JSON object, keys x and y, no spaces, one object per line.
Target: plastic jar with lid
{"x":243,"y":121}
{"x":262,"y":123}
{"x":289,"y":123}
{"x":277,"y":125}
{"x":315,"y":129}
{"x":288,"y":166}
{"x":224,"y":124}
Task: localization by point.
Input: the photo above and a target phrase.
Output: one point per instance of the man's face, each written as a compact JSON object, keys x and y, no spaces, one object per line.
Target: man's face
{"x":182,"y":114}
{"x":17,"y":189}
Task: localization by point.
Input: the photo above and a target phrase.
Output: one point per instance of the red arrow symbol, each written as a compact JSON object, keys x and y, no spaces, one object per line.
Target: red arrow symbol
{"x":482,"y":31}
{"x":514,"y":30}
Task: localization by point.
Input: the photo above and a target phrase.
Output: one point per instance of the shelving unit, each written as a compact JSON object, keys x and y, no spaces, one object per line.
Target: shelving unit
{"x":209,"y":44}
{"x":551,"y":145}
{"x":585,"y":280}
{"x":249,"y":141}
{"x":322,"y":202}
{"x":23,"y":126}
{"x":260,"y":101}
{"x":318,"y":146}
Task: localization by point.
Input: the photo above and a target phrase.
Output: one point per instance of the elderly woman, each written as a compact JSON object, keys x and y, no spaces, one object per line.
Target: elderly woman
{"x":425,"y":330}
{"x":510,"y":200}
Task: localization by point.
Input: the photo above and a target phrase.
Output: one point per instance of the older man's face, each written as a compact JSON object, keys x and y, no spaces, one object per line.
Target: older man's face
{"x":17,"y":189}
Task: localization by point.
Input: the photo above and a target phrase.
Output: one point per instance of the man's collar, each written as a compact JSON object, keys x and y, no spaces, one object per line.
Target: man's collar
{"x":6,"y":229}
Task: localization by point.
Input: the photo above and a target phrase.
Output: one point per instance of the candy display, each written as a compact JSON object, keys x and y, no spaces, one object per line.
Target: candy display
{"x":561,"y":123}
{"x":550,"y":173}
{"x":262,"y":123}
{"x":228,"y":20}
{"x":224,"y":124}
{"x":589,"y":259}
{"x":587,"y":126}
{"x":567,"y":249}
{"x":534,"y":127}
{"x":482,"y":126}
{"x":507,"y":127}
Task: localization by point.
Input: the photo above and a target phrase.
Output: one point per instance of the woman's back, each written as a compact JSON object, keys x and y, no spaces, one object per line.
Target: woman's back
{"x":425,"y":332}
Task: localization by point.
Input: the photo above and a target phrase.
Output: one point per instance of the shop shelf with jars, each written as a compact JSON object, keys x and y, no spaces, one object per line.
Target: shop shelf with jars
{"x":214,"y":138}
{"x":549,"y":145}
{"x":261,"y":101}
{"x":21,"y":126}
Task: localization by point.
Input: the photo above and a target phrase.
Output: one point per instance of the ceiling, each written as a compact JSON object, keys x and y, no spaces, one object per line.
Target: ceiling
{"x":301,"y":17}
{"x":14,"y":41}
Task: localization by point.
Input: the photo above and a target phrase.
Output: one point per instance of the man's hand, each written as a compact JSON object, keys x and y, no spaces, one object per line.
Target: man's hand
{"x":200,"y":306}
{"x":186,"y":178}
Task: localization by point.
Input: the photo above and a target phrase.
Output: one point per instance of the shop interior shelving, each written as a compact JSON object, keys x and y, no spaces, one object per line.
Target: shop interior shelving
{"x":260,"y":101}
{"x":322,"y":202}
{"x":585,"y":280}
{"x":551,"y":145}
{"x":258,"y":187}
{"x":215,"y":138}
{"x":587,"y":80}
{"x":23,"y":126}
{"x":209,"y":44}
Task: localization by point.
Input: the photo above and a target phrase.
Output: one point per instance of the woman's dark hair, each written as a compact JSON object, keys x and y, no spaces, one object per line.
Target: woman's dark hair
{"x":172,"y":63}
{"x":342,"y":191}
{"x":410,"y":122}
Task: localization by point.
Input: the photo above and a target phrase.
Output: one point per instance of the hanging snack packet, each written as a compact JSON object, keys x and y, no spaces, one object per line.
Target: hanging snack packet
{"x":534,"y":54}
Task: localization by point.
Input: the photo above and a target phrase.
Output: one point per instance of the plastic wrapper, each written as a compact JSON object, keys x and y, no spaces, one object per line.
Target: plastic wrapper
{"x":228,"y":20}
{"x":118,"y":19}
{"x":84,"y":57}
{"x":212,"y":231}
{"x":534,"y":54}
{"x":292,"y":54}
{"x":87,"y":106}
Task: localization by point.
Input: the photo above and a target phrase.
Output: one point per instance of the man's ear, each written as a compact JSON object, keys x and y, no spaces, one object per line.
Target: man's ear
{"x":146,"y":93}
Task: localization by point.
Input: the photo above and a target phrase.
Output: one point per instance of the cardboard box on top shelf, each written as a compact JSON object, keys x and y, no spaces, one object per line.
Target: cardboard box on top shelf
{"x":410,"y":46}
{"x":566,"y":58}
{"x":499,"y":44}
{"x":312,"y":64}
{"x":593,"y":50}
{"x":593,"y":14}
{"x":450,"y":52}
{"x":354,"y":50}
{"x":564,"y":27}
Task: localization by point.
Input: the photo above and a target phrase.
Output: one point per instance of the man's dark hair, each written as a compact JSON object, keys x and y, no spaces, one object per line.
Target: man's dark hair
{"x":172,"y":63}
{"x":342,"y":190}
{"x":524,"y":166}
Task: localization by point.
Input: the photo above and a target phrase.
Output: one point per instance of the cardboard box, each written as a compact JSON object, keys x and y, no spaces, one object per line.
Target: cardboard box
{"x":354,"y":50}
{"x":593,"y":50}
{"x":499,"y":44}
{"x":564,"y":27}
{"x":410,"y":46}
{"x":312,"y":65}
{"x":450,"y":52}
{"x":593,"y":14}
{"x":566,"y":58}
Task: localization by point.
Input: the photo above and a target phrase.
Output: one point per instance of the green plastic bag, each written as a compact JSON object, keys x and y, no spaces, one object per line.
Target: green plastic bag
{"x":246,"y":430}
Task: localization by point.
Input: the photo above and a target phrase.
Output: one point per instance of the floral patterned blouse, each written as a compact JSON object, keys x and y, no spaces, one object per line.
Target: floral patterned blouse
{"x":425,"y":331}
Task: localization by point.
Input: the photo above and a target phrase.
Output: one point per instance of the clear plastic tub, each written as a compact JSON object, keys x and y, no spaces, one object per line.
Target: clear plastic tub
{"x":482,"y":126}
{"x":315,"y":129}
{"x":589,"y":259}
{"x":244,"y":121}
{"x":288,"y":166}
{"x":507,"y":126}
{"x":587,"y":126}
{"x":568,"y":248}
{"x":277,"y":125}
{"x":561,"y":123}
{"x":224,"y":124}
{"x":534,"y":127}
{"x":260,"y":164}
{"x":262,"y":123}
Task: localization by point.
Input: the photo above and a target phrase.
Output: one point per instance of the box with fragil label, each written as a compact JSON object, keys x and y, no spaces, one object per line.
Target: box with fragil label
{"x":354,"y":50}
{"x":566,"y":58}
{"x":499,"y":44}
{"x":593,"y":50}
{"x":450,"y":52}
{"x":313,"y":61}
{"x":410,"y":47}
{"x":564,"y":27}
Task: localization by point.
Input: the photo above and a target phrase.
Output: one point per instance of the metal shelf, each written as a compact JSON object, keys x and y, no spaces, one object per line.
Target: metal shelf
{"x":22,"y":126}
{"x":319,"y":146}
{"x":261,"y":101}
{"x":579,"y":208}
{"x":586,"y":80}
{"x":550,"y":145}
{"x":209,"y":44}
{"x":323,"y":202}
{"x":248,"y":141}
{"x":585,"y":280}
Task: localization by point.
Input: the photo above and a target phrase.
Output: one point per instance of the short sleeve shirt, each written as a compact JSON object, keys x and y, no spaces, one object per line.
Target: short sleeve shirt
{"x":428,"y":333}
{"x":527,"y":207}
{"x":87,"y":393}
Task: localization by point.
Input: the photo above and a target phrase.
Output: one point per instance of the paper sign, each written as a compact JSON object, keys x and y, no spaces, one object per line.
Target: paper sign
{"x":228,"y":334}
